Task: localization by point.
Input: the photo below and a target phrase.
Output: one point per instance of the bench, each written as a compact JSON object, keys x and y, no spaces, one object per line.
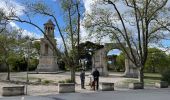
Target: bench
{"x":137,"y":85}
{"x":13,"y":91}
{"x":161,"y":84}
{"x":106,"y":86}
{"x":66,"y":87}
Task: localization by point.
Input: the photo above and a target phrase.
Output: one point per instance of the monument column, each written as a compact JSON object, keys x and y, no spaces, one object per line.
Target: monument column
{"x":48,"y":59}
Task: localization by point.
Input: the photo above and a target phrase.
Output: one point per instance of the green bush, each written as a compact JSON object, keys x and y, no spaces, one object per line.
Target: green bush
{"x":166,"y":76}
{"x":62,"y":81}
{"x":33,"y":64}
{"x":45,"y":82}
{"x":66,"y":81}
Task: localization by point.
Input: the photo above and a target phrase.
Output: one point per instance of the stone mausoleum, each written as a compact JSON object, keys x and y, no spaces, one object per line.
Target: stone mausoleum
{"x":48,"y":58}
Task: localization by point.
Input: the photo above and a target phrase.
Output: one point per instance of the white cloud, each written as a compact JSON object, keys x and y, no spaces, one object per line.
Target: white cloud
{"x":84,"y":33}
{"x":13,"y":26}
{"x":87,"y":4}
{"x":166,"y":49}
{"x":12,"y":5}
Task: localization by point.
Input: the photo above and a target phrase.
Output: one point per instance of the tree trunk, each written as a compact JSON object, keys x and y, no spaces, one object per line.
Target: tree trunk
{"x":72,"y":69}
{"x":141,"y":75}
{"x":8,"y":69}
{"x":153,"y":69}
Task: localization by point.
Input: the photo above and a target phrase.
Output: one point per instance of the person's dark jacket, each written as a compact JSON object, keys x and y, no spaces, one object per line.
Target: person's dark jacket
{"x":96,"y":74}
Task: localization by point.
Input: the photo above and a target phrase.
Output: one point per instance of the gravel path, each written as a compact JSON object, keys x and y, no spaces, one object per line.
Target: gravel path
{"x":52,"y":89}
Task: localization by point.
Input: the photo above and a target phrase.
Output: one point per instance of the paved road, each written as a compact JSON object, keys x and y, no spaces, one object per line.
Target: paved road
{"x":146,"y":94}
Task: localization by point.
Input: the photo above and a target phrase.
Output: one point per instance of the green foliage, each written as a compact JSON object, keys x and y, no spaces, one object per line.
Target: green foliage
{"x":46,"y":82}
{"x":13,"y":51}
{"x":17,"y":63}
{"x":62,"y":81}
{"x":36,"y":45}
{"x":157,"y":60}
{"x":33,"y":64}
{"x":120,"y":62}
{"x":66,"y":81}
{"x":166,"y":75}
{"x":66,"y":4}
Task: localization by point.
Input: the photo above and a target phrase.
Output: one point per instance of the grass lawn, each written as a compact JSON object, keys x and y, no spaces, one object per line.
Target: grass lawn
{"x":149,"y":80}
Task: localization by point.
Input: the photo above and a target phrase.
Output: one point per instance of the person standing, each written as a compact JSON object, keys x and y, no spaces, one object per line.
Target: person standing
{"x":96,"y":75}
{"x":82,"y":78}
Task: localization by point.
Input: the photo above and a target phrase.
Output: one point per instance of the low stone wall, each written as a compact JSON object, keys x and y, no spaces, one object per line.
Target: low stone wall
{"x":105,"y":86}
{"x":66,"y":87}
{"x":13,"y":91}
{"x":161,"y":84}
{"x":137,"y":85}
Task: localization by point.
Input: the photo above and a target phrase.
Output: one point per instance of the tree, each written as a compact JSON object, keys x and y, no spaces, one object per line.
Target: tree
{"x":3,"y":22}
{"x":71,"y":30}
{"x":157,"y":60}
{"x":139,"y":24}
{"x":71,"y":9}
{"x":120,"y":62}
{"x":8,"y":47}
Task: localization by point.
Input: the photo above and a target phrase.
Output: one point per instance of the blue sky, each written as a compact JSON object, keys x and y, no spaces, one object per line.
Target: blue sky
{"x":40,"y":20}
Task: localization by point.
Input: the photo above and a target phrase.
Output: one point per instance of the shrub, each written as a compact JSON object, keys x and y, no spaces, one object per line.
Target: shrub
{"x":62,"y":81}
{"x":66,"y":81}
{"x":33,"y":64}
{"x":166,"y":76}
{"x":45,"y":82}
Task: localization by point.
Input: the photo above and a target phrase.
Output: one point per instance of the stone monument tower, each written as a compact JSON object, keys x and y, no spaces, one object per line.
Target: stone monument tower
{"x":48,"y":59}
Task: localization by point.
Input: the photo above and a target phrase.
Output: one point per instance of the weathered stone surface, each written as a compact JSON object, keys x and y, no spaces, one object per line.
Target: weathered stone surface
{"x":105,"y":86}
{"x":47,"y":64}
{"x":100,"y":61}
{"x":137,"y":85}
{"x":66,"y":87}
{"x":48,"y":59}
{"x":161,"y":84}
{"x":131,"y":70}
{"x":13,"y":91}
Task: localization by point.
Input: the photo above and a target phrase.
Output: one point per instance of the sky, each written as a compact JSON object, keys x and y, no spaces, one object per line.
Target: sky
{"x":39,"y":20}
{"x":54,"y":4}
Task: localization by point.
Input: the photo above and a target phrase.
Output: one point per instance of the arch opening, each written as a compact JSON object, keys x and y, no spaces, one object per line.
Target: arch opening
{"x":115,"y":60}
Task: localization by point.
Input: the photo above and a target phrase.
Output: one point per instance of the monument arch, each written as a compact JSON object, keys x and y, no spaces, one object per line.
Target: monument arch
{"x":100,"y":61}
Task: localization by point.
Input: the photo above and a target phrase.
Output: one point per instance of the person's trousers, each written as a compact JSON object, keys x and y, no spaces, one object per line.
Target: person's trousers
{"x":96,"y":81}
{"x":82,"y":83}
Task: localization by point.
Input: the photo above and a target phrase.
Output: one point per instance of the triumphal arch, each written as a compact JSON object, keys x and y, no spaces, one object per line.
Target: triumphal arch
{"x":100,"y":62}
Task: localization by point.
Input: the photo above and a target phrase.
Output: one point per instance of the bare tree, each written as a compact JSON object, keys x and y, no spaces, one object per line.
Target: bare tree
{"x":70,"y":33}
{"x":138,"y":23}
{"x":3,"y":22}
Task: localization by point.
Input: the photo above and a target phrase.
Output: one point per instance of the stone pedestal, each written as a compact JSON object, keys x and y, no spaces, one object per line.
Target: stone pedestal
{"x":161,"y":84}
{"x":47,"y":64}
{"x":99,"y":62}
{"x":136,"y":85}
{"x":105,"y":86}
{"x":66,"y":87}
{"x":13,"y":91}
{"x":131,"y":70}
